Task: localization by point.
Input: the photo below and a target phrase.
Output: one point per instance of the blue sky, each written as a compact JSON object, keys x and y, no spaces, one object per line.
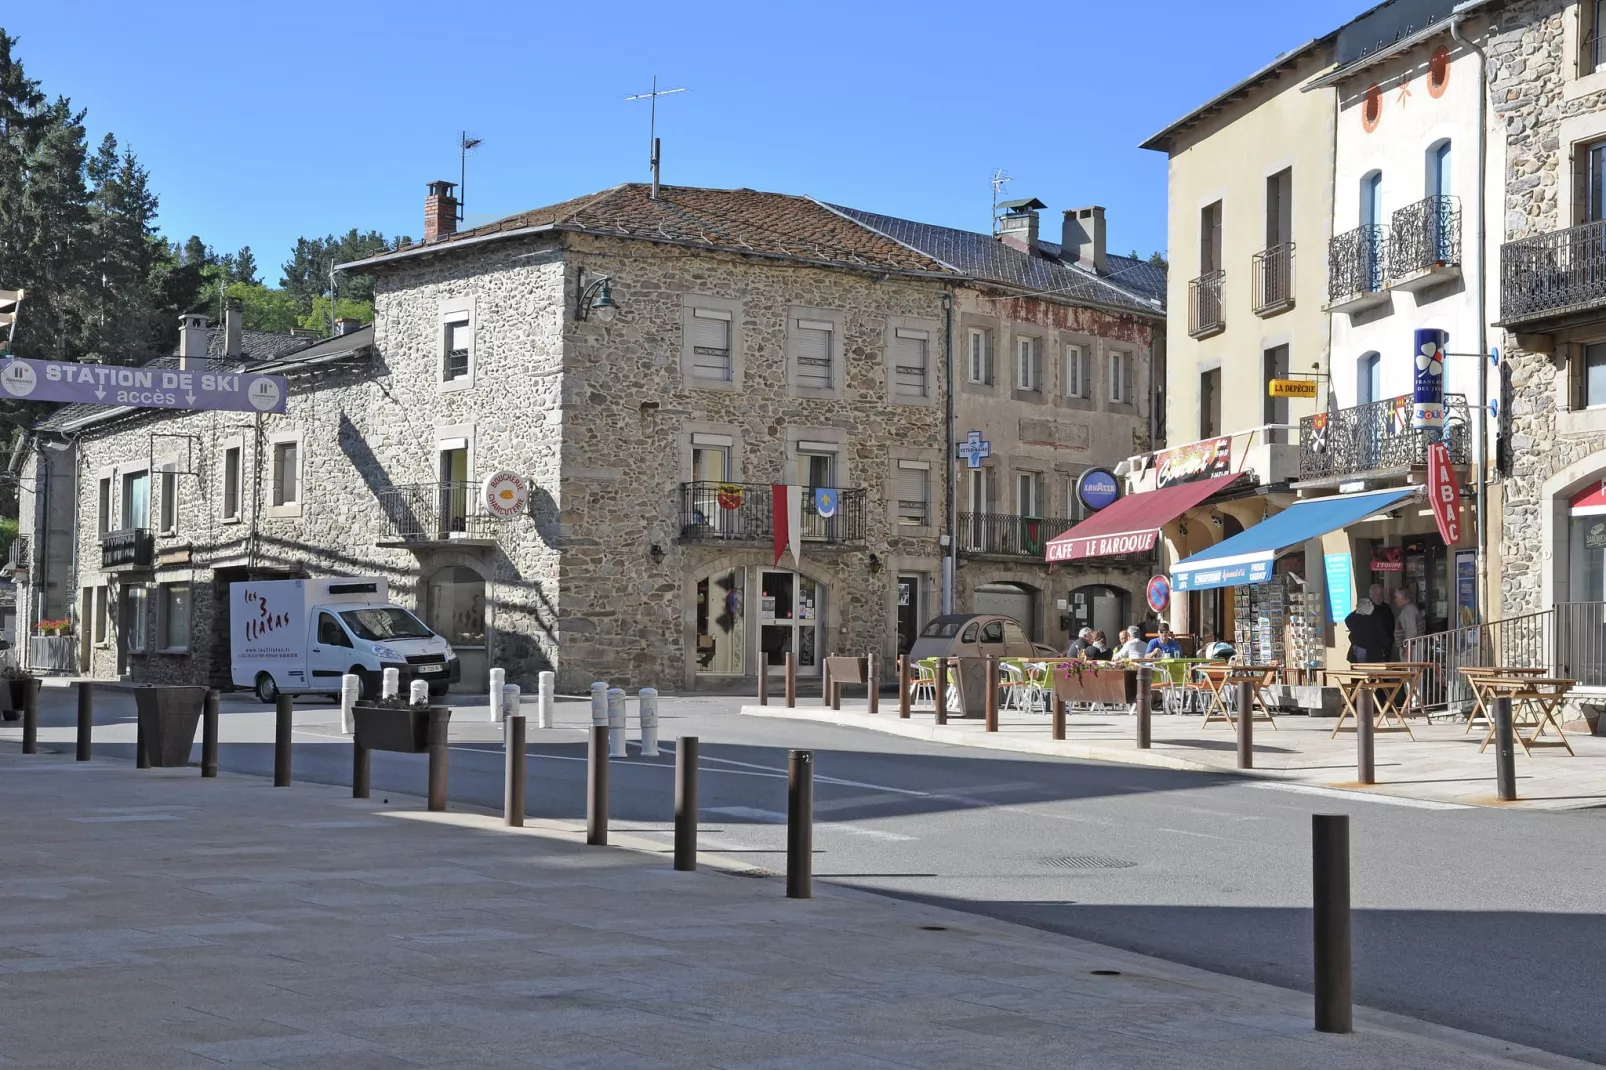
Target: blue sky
{"x":260,"y":123}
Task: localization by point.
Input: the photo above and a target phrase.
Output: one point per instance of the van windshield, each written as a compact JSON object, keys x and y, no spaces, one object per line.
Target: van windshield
{"x":384,"y":622}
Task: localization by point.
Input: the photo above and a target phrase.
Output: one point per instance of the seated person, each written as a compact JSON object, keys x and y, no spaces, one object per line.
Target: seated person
{"x":1134,"y":647}
{"x":1098,"y":649}
{"x":1164,"y":645}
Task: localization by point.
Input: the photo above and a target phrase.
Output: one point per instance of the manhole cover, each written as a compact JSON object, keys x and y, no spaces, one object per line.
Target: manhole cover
{"x":1087,"y":862}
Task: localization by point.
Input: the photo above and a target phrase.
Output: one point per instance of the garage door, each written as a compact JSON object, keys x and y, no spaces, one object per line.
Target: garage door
{"x":1009,"y":600}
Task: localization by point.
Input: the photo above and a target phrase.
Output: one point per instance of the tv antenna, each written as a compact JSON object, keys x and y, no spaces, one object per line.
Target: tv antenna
{"x":466,"y":143}
{"x":1000,"y":180}
{"x":652,"y":126}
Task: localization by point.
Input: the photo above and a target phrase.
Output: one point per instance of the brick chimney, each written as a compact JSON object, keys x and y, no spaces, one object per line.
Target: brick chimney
{"x":193,"y":334}
{"x":1017,"y":227}
{"x":1083,"y":238}
{"x":440,"y":211}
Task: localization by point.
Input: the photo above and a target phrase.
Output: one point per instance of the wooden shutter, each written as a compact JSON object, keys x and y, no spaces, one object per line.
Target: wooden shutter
{"x":909,"y":363}
{"x":812,"y":347}
{"x":912,"y":504}
{"x":711,"y":344}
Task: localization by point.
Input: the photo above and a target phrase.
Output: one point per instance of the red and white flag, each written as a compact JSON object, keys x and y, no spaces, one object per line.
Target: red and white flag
{"x":786,"y":509}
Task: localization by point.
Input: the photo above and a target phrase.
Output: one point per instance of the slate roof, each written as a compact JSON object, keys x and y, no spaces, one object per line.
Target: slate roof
{"x":1130,"y":285}
{"x":736,"y":220}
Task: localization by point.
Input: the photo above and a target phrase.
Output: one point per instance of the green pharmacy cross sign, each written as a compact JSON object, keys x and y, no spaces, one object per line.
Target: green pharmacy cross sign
{"x":147,"y":388}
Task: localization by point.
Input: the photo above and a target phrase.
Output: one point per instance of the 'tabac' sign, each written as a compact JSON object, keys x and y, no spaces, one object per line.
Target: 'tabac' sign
{"x":1444,"y":493}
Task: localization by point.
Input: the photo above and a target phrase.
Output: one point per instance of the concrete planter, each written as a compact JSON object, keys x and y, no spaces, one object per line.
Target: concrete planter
{"x":17,"y":697}
{"x":168,"y":717}
{"x":380,"y":728}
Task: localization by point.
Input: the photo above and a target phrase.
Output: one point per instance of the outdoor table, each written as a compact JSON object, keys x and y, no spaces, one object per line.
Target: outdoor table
{"x":1534,"y":702}
{"x":1477,"y":678}
{"x":1218,"y":678}
{"x":1388,"y":688}
{"x":1412,"y":699}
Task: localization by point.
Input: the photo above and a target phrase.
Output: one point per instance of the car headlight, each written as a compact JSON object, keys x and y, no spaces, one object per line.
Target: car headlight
{"x":451,"y":655}
{"x":386,"y":653}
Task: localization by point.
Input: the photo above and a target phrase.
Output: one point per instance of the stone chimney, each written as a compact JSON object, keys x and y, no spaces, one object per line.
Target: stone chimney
{"x":193,"y":334}
{"x":344,"y":326}
{"x":440,"y":211}
{"x":233,"y":328}
{"x":1017,"y":227}
{"x":1083,"y":239}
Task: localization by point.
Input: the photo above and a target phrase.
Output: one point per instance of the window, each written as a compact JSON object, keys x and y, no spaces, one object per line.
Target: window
{"x":1594,"y":378}
{"x":175,"y":613}
{"x":1121,"y":377}
{"x":286,"y":465}
{"x":1280,"y":208}
{"x":136,"y":500}
{"x":169,"y":501}
{"x":1591,"y":56}
{"x":1276,"y":409}
{"x":1075,"y":371}
{"x":1210,"y":238}
{"x":455,"y":493}
{"x":909,"y":363}
{"x":231,"y":483}
{"x":330,"y":633}
{"x":1589,"y":182}
{"x":1210,"y":403}
{"x":458,"y":340}
{"x":1026,"y":484}
{"x":976,"y":368}
{"x":1025,"y":363}
{"x":711,"y":344}
{"x":992,"y":632}
{"x":102,"y":615}
{"x":914,"y":493}
{"x":1369,"y":379}
{"x":136,"y":601}
{"x":813,"y":350}
{"x":104,"y":520}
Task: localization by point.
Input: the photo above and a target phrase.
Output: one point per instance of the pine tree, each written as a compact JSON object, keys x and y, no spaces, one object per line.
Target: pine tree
{"x":245,"y":267}
{"x":121,"y":320}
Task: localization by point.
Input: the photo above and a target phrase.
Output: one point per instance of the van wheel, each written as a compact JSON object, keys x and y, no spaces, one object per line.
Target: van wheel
{"x":266,"y":689}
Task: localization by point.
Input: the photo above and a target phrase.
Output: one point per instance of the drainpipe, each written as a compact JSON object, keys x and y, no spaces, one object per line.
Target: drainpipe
{"x":950,"y":563}
{"x":1483,"y":330}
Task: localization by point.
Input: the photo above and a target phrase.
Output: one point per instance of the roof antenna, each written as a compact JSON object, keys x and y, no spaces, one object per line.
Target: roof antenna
{"x":465,"y":144}
{"x":652,"y":126}
{"x":1000,"y":180}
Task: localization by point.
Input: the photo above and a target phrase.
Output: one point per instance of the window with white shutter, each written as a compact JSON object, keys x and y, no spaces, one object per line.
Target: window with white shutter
{"x":458,"y":342}
{"x":909,"y":363}
{"x":977,"y":356}
{"x":1026,"y":364}
{"x":711,"y":344}
{"x":1075,"y":371}
{"x":914,"y":505}
{"x":1121,"y":377}
{"x":812,"y":349}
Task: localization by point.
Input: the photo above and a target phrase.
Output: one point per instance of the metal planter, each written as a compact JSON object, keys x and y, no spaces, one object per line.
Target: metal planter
{"x":380,"y":728}
{"x":1105,"y":686}
{"x":168,"y":718}
{"x":17,"y":697}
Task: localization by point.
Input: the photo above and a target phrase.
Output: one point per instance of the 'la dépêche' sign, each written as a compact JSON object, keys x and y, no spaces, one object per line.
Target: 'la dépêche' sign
{"x":144,"y":388}
{"x":1291,"y":388}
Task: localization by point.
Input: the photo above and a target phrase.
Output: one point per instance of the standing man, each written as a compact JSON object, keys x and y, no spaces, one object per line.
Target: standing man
{"x":1384,"y":622}
{"x":1407,"y":619}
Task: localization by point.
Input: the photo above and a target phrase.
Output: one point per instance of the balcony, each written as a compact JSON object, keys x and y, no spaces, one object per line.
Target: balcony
{"x":1377,"y":440}
{"x":1425,"y":244}
{"x":423,"y":514}
{"x":1552,"y":279}
{"x":1008,"y":534}
{"x":741,"y":513}
{"x":1355,"y":262}
{"x":19,"y":559}
{"x":1273,"y":269}
{"x":129,"y":549}
{"x":1204,"y":305}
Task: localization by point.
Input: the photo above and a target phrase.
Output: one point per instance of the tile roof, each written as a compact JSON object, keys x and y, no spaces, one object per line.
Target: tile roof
{"x":1130,"y":284}
{"x":738,"y":220}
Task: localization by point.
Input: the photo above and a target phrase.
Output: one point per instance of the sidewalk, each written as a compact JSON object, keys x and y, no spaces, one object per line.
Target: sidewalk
{"x":157,"y":920}
{"x":1442,"y":765}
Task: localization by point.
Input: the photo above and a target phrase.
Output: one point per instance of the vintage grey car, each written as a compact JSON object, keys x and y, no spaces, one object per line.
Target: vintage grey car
{"x":977,"y":635}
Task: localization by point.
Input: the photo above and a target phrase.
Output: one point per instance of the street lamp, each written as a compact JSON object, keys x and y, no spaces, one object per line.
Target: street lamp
{"x":595,"y":296}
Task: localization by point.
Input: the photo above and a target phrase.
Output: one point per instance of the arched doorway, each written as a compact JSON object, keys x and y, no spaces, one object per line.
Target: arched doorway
{"x":791,"y":610}
{"x":1103,"y":608}
{"x":1011,"y":600}
{"x":455,"y":604}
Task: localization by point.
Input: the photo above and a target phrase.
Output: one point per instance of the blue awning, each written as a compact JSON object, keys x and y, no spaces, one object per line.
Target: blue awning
{"x":1247,"y":557}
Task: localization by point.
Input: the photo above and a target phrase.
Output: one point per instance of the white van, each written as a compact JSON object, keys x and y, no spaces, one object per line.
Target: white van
{"x":299,"y":636}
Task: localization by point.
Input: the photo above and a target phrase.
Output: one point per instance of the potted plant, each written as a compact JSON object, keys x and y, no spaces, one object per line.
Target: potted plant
{"x":393,"y":724}
{"x":18,"y":682}
{"x":168,"y":717}
{"x":1088,"y":683}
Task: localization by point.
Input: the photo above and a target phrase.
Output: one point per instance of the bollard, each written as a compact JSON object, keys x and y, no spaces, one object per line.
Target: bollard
{"x":905,"y":668}
{"x":1505,"y":758}
{"x":872,"y":685}
{"x":30,"y":717}
{"x":799,"y":824}
{"x":686,"y":750}
{"x":498,"y":681}
{"x":1057,"y":720}
{"x":597,"y":787}
{"x":86,"y":719}
{"x":791,"y":679}
{"x":439,"y":721}
{"x":1246,"y":724}
{"x":391,"y":685}
{"x":547,"y":684}
{"x":1330,"y":916}
{"x":763,"y":679}
{"x":361,"y":769}
{"x":828,"y":695}
{"x":281,"y":740}
{"x":513,"y":733}
{"x":599,"y":703}
{"x":418,"y":693}
{"x":350,"y":692}
{"x":941,"y":690}
{"x":142,"y":760}
{"x":616,"y":723}
{"x":209,"y":726}
{"x":647,"y":714}
{"x":1365,"y":767}
{"x":1145,"y":707}
{"x":991,"y":710}
{"x":510,"y":701}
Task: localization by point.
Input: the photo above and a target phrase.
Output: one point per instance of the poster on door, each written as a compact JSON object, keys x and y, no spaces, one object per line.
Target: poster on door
{"x":1466,"y":588}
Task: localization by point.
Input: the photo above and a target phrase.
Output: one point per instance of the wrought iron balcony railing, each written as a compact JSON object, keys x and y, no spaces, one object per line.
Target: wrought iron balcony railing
{"x":433,"y":512}
{"x":743,"y":512}
{"x":1009,"y":534}
{"x":1554,"y":274}
{"x":131,"y":548}
{"x":1274,"y":279}
{"x":1378,"y":437}
{"x":1355,"y":263}
{"x":19,"y":558}
{"x":1425,"y":235}
{"x":1204,"y":305}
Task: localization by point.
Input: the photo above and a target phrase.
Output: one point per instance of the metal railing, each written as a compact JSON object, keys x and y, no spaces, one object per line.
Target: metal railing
{"x":1204,"y":304}
{"x":743,"y":512}
{"x":1009,"y":534}
{"x":1567,"y":640}
{"x":19,"y":552}
{"x":129,"y":548}
{"x":429,"y":512}
{"x":1555,"y":272}
{"x":1424,"y":235}
{"x":1369,"y":438}
{"x":1355,"y":261}
{"x":1274,"y":278}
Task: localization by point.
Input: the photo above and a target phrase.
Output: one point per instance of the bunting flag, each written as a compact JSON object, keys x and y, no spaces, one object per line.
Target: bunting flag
{"x":786,"y":509}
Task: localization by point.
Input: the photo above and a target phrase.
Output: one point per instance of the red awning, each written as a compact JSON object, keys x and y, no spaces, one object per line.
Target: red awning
{"x":1132,"y":525}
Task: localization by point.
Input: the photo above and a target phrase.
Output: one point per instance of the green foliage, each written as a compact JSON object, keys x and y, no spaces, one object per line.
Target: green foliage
{"x":8,"y":535}
{"x":345,"y":308}
{"x":306,"y":273}
{"x":265,"y":309}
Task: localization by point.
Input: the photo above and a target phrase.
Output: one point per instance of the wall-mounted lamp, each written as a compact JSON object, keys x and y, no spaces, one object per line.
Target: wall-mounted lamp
{"x":1215,"y":521}
{"x":657,"y":554}
{"x":595,"y":296}
{"x":875,"y":563}
{"x":1182,"y":529}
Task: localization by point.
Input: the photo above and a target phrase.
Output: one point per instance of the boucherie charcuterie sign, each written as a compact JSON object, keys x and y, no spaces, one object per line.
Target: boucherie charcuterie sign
{"x":145,"y":388}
